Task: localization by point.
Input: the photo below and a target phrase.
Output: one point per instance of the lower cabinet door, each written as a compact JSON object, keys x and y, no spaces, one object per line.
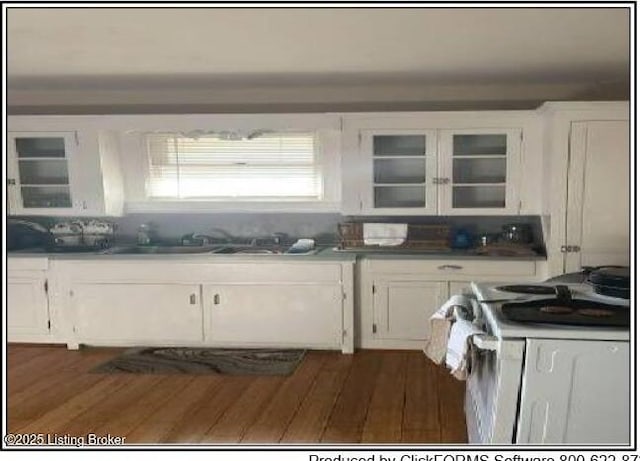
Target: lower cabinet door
{"x":287,"y":314}
{"x":27,"y":308}
{"x":459,"y":288}
{"x":137,"y":314}
{"x":401,"y":309}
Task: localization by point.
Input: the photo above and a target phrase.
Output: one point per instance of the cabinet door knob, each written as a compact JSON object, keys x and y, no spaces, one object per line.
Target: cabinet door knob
{"x":216,"y":299}
{"x":192,"y":299}
{"x":449,"y":266}
{"x":11,"y":182}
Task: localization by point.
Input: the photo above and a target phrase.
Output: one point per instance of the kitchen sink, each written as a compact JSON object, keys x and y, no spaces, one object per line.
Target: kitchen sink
{"x":222,"y":250}
{"x":258,"y":250}
{"x":140,"y":250}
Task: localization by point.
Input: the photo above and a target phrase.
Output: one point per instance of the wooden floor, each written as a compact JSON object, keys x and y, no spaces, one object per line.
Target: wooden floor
{"x":369,"y":397}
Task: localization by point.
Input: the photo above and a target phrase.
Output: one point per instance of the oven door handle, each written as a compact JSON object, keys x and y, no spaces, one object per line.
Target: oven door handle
{"x":486,"y":342}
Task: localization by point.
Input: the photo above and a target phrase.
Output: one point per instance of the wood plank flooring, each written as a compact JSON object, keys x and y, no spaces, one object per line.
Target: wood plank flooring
{"x":370,"y":397}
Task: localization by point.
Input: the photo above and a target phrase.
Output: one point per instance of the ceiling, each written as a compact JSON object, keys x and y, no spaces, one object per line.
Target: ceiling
{"x":255,"y":56}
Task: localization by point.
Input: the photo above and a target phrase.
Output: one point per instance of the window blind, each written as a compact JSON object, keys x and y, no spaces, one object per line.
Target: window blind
{"x":273,"y":165}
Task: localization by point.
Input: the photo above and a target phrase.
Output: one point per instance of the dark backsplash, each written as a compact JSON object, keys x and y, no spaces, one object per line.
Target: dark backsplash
{"x":170,"y":227}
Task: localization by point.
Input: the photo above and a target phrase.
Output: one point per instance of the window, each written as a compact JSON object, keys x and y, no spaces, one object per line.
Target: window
{"x":272,"y":166}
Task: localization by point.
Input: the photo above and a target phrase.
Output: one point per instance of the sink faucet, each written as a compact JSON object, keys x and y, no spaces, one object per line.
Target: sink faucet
{"x":205,"y":239}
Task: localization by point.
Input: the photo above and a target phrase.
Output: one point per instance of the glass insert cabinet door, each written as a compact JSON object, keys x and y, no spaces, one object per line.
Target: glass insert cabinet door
{"x":403,"y":167}
{"x":479,"y":170}
{"x":39,"y":170}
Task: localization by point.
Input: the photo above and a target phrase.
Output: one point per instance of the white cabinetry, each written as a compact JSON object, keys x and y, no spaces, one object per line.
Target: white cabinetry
{"x":586,"y":184}
{"x":62,"y":166}
{"x":398,"y":296}
{"x":401,"y":308}
{"x":29,"y":318}
{"x":213,"y":300}
{"x":137,"y":314}
{"x":403,"y":167}
{"x":274,"y":315}
{"x":429,"y":163}
{"x":480,"y":171}
{"x":27,"y":306}
{"x":40,"y":177}
{"x":598,"y":195}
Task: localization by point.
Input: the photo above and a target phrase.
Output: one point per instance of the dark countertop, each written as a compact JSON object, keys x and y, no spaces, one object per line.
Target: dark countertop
{"x":323,"y":253}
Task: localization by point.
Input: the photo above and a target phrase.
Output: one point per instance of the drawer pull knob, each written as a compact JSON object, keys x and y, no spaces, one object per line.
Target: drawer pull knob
{"x":449,"y":266}
{"x":192,"y":299}
{"x":216,"y":299}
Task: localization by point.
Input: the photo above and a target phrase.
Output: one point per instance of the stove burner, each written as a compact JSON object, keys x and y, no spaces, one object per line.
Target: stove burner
{"x":578,"y":312}
{"x":528,"y":289}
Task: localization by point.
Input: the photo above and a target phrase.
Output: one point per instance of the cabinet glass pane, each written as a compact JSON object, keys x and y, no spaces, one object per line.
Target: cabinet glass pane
{"x":43,"y":172}
{"x":46,"y":197}
{"x":479,"y":170}
{"x":399,"y":197}
{"x":479,"y":144}
{"x":399,"y":170}
{"x":479,"y":196}
{"x":40,"y":147}
{"x":399,"y":145}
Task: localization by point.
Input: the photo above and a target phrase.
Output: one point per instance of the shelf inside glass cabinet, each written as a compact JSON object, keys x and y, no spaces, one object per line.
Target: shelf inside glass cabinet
{"x":399,"y":196}
{"x":479,"y":196}
{"x":46,"y":196}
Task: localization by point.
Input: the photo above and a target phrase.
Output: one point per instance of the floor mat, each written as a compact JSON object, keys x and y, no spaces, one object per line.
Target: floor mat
{"x":190,"y":360}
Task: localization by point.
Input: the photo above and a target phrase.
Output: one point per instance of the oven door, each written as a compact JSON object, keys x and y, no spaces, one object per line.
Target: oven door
{"x":493,"y":386}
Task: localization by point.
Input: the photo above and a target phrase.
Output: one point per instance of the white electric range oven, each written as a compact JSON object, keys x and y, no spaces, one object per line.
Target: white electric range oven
{"x":545,"y":383}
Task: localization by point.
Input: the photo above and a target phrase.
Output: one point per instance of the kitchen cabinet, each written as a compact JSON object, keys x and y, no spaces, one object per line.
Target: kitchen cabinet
{"x":283,"y":315}
{"x":30,"y":317}
{"x":38,"y":173}
{"x":460,"y":288}
{"x":440,"y":171}
{"x":137,"y":314}
{"x":598,"y":195}
{"x":27,"y":307}
{"x":398,"y":296}
{"x":222,"y":301}
{"x":401,"y":308}
{"x":404,"y":166}
{"x":479,"y":171}
{"x":62,"y":166}
{"x":586,"y":187}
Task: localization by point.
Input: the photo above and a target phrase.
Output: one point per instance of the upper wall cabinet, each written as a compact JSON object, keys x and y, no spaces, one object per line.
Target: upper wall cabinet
{"x":437,"y":171}
{"x":56,"y":169}
{"x":479,"y":171}
{"x":402,"y":170}
{"x":39,"y":171}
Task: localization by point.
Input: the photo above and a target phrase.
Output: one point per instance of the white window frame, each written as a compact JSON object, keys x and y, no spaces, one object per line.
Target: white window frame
{"x":136,"y":174}
{"x":162,"y":141}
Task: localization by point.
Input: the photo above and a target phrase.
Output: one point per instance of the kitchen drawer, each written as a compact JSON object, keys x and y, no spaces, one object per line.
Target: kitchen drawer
{"x":449,"y":269}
